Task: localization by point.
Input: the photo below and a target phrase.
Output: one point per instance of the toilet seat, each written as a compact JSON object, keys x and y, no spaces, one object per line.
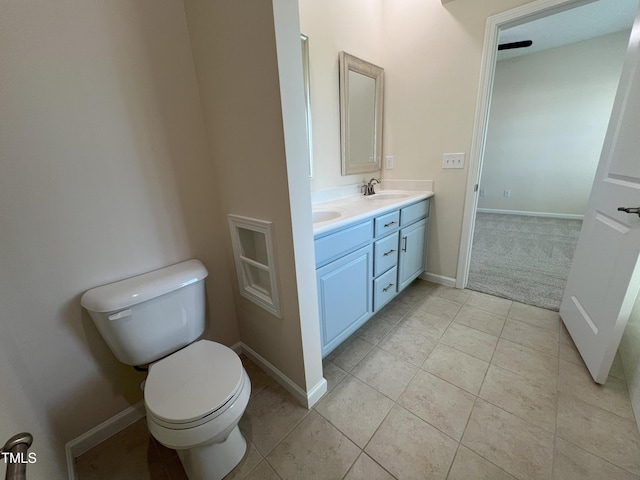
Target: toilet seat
{"x":193,"y":385}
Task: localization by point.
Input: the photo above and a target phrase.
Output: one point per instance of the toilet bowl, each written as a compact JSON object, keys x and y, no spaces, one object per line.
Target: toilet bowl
{"x":196,"y":390}
{"x":194,"y":400}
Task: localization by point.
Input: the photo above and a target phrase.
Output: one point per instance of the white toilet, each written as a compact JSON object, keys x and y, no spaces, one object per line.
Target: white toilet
{"x":196,"y":391}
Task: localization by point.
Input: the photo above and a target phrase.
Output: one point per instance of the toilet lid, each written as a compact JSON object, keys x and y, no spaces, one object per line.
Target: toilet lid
{"x":193,"y":382}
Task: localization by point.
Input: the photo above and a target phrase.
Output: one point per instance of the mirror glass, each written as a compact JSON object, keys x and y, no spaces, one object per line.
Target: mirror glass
{"x":307,"y":97}
{"x":361,"y":93}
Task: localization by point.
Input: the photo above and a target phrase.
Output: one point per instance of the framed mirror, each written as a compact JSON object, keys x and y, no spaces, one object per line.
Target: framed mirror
{"x":361,"y":97}
{"x":307,"y":97}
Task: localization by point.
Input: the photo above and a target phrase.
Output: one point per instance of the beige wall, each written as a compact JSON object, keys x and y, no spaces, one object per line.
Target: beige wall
{"x":234,"y":48}
{"x":431,"y":54}
{"x":549,"y":114}
{"x":432,"y":60}
{"x":105,"y":172}
{"x":630,"y":354}
{"x":353,"y":26}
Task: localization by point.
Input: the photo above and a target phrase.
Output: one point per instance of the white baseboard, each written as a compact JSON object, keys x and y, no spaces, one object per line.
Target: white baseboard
{"x":306,"y":399}
{"x":569,"y":216}
{"x":237,"y":347}
{"x":439,"y":279}
{"x":100,"y":433}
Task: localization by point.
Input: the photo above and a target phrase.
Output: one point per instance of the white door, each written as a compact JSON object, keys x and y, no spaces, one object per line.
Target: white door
{"x":605,"y":276}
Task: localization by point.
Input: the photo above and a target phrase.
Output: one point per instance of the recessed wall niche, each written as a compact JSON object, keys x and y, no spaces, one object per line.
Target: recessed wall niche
{"x":255,"y":261}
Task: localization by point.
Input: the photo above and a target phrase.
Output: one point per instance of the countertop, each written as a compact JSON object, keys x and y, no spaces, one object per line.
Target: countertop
{"x":358,"y":207}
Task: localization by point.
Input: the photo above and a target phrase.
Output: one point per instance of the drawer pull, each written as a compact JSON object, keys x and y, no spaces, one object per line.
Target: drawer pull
{"x":404,"y":249}
{"x":387,"y":287}
{"x":388,"y":253}
{"x":387,"y":225}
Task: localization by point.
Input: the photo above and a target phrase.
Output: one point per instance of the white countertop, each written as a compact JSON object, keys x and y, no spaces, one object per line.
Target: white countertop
{"x":358,"y":207}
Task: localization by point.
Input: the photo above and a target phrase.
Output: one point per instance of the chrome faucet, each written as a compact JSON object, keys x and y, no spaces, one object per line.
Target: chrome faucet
{"x":368,"y":188}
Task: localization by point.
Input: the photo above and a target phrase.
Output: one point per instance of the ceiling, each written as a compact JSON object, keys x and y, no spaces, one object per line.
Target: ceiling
{"x":581,"y":23}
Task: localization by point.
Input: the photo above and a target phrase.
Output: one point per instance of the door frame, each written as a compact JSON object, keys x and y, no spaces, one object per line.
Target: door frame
{"x":517,"y":16}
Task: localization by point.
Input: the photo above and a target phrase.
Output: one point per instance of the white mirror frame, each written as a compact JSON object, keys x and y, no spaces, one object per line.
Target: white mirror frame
{"x":307,"y":97}
{"x":349,"y":63}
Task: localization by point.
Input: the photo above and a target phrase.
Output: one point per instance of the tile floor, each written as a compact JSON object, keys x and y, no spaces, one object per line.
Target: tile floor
{"x":442,"y":384}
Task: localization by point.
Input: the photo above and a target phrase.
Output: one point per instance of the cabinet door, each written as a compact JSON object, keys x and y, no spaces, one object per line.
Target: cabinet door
{"x":413,"y":247}
{"x":345,"y":296}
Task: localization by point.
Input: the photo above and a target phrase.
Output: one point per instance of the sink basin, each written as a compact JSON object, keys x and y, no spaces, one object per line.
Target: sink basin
{"x":388,"y":196}
{"x":324,"y":215}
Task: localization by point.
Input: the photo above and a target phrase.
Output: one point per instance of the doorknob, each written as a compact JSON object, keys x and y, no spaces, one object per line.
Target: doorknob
{"x":630,"y":210}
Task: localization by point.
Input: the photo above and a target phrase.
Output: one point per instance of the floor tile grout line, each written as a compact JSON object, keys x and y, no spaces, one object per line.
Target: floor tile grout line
{"x":471,"y":354}
{"x":524,"y":322}
{"x":362,"y":452}
{"x":553,"y":433}
{"x":455,"y":455}
{"x":471,"y":449}
{"x":506,"y":411}
{"x":570,"y":394}
{"x":636,"y":475}
{"x":352,"y":465}
{"x":396,"y":403}
{"x":478,"y":329}
{"x":271,"y":466}
{"x":529,"y":346}
{"x":285,"y":435}
{"x":522,"y":376}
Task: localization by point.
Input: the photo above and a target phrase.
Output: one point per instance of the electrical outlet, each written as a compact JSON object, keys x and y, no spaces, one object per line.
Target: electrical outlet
{"x":388,"y":162}
{"x":453,"y":160}
{"x":482,"y":192}
{"x":507,"y":193}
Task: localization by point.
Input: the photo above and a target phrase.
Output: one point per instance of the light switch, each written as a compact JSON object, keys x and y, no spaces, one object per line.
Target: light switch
{"x":453,"y":160}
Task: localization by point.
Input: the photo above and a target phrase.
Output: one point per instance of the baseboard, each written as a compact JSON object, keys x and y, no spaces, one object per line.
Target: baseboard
{"x":237,"y":347}
{"x":439,"y":279}
{"x":569,"y":216}
{"x":100,"y":433}
{"x":306,"y":399}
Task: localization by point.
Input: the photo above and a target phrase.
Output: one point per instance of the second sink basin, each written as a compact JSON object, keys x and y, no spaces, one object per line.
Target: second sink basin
{"x":387,"y":196}
{"x":324,"y":215}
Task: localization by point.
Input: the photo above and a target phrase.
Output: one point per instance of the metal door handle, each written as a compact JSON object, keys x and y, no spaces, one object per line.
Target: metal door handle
{"x":630,"y":210}
{"x":404,"y":248}
{"x":388,"y":253}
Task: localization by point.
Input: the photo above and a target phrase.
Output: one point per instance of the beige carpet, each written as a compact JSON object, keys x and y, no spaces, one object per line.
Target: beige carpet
{"x":522,"y":258}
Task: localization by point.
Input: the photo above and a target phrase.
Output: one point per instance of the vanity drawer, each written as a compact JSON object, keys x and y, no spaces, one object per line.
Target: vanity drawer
{"x":342,"y":242}
{"x":384,"y":288}
{"x":414,"y":212}
{"x":385,"y":254}
{"x":386,"y":224}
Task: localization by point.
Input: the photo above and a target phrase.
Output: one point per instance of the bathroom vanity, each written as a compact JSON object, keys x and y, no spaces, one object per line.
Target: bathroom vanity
{"x":368,"y":249}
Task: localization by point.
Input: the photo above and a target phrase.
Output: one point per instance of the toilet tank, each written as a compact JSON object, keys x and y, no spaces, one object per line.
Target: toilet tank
{"x":149,"y":316}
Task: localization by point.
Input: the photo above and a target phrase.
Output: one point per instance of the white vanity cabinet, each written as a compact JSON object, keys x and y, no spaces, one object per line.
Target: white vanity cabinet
{"x":361,"y":266}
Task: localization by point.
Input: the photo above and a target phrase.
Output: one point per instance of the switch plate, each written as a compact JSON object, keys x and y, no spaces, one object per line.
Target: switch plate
{"x":482,"y":192}
{"x":507,"y":193}
{"x":453,"y":160}
{"x":388,"y":162}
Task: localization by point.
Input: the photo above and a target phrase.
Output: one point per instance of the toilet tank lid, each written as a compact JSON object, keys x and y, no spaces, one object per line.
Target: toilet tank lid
{"x":134,"y":290}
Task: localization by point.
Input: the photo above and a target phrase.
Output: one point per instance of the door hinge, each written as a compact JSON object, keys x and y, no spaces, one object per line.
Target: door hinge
{"x":475,"y":189}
